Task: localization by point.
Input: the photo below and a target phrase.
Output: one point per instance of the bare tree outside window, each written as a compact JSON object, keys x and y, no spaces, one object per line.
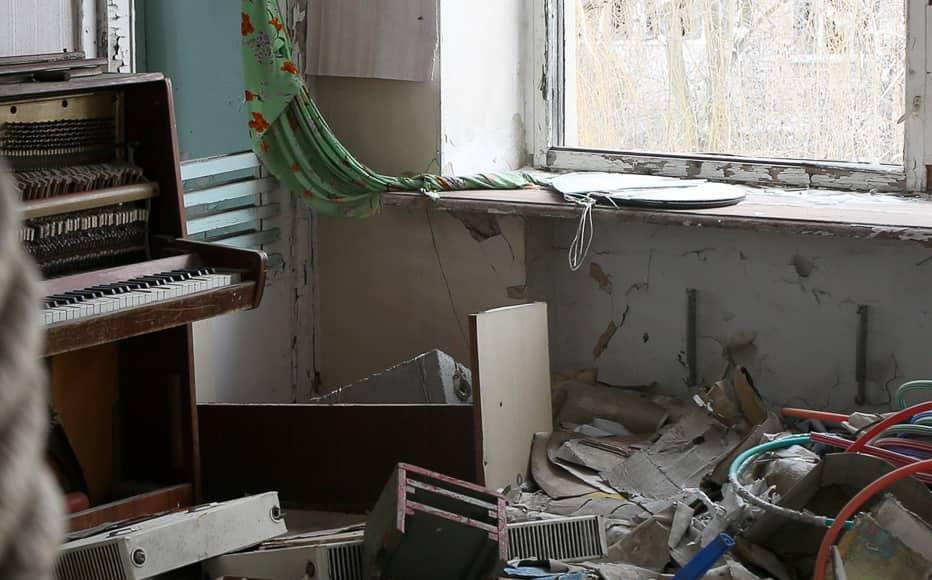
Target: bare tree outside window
{"x":796,"y":79}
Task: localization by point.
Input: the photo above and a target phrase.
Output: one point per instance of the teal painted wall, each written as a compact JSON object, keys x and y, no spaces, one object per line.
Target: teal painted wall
{"x":197,"y":45}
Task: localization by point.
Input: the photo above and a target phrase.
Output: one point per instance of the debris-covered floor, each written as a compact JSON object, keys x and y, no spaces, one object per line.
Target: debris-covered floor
{"x":628,"y":485}
{"x":657,"y":475}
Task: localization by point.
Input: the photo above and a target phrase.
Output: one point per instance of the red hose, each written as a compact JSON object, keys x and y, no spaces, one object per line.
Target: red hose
{"x":896,"y":419}
{"x":810,"y":414}
{"x":892,"y":457}
{"x":855,"y":504}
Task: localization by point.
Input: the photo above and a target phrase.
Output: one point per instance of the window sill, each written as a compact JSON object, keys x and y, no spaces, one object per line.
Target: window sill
{"x":811,"y":213}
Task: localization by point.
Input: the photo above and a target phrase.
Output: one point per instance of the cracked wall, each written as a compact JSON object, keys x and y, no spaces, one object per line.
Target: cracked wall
{"x":784,"y":306}
{"x":404,"y":282}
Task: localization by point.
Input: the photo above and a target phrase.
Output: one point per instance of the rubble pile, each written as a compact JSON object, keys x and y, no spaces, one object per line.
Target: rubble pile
{"x":718,"y":486}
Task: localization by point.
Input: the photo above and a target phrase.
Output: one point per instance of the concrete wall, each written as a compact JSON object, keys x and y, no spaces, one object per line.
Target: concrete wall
{"x":482,"y":85}
{"x":404,"y":282}
{"x":784,"y":306}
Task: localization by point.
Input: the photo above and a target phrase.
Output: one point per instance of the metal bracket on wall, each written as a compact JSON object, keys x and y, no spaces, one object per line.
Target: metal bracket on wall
{"x":860,"y":370}
{"x":692,"y":338}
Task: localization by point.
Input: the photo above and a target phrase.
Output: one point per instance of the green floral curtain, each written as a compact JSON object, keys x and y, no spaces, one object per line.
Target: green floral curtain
{"x":293,"y":140}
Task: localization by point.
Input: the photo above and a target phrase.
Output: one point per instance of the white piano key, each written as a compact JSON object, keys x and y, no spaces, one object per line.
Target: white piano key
{"x":136,"y":298}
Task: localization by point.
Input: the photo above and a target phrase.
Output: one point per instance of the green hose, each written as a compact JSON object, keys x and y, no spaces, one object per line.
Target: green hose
{"x":745,"y":459}
{"x":907,"y":388}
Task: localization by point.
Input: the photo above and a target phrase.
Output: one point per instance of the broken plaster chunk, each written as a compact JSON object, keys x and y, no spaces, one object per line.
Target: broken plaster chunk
{"x":645,"y":547}
{"x":788,"y":467}
{"x":682,"y":457}
{"x":581,"y":403}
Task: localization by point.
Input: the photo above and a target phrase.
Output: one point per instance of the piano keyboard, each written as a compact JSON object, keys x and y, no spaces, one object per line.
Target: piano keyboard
{"x":141,"y":291}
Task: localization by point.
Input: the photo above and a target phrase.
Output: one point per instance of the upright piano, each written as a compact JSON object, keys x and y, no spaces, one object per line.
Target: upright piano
{"x":97,"y":166}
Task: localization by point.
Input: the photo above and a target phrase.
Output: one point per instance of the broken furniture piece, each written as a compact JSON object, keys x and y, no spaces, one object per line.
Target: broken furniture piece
{"x":338,"y":456}
{"x":334,"y":556}
{"x":427,"y":526}
{"x":511,"y":378}
{"x":432,"y":377}
{"x":137,"y":550}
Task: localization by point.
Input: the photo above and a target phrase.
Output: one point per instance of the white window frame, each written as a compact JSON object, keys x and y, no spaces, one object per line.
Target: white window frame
{"x":545,"y":108}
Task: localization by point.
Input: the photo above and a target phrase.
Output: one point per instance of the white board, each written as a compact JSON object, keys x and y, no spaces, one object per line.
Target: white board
{"x":511,"y":376}
{"x":383,"y":39}
{"x":37,"y":27}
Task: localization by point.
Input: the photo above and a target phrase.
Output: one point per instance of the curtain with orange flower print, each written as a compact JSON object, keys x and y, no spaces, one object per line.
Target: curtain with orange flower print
{"x":291,"y":137}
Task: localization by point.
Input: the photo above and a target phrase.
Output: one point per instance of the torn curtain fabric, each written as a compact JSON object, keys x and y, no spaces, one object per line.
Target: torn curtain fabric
{"x":291,"y":137}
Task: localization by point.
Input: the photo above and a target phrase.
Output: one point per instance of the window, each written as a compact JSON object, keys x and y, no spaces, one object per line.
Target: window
{"x":783,"y":92}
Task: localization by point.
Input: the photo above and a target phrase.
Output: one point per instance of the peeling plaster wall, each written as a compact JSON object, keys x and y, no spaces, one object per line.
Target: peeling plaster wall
{"x":404,"y":282}
{"x":482,"y":85}
{"x":383,"y":294}
{"x":784,"y":306}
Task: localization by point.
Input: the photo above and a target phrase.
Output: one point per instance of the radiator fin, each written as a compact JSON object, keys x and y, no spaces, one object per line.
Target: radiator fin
{"x":101,"y":562}
{"x":567,"y":540}
{"x":345,"y":561}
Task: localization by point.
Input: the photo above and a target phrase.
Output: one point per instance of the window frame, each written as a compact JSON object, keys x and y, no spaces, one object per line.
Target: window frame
{"x":548,"y":92}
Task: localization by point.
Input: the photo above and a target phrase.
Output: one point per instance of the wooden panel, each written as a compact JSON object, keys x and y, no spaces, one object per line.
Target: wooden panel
{"x":385,"y":39}
{"x":151,"y":126}
{"x":232,"y":218}
{"x":814,"y":212}
{"x":511,"y":382}
{"x":220,"y":233}
{"x":253,"y":240}
{"x":83,"y":201}
{"x":85,"y":392}
{"x":159,"y":409}
{"x":84,"y":84}
{"x":163,"y":500}
{"x":37,"y":26}
{"x":216,"y":165}
{"x":242,"y":190}
{"x":334,"y":457}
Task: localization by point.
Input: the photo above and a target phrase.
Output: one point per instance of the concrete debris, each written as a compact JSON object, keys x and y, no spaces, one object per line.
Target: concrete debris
{"x":578,"y":403}
{"x":906,"y":526}
{"x":645,"y":546}
{"x":686,"y":452}
{"x":661,"y":465}
{"x":788,"y":467}
{"x":598,"y":454}
{"x":556,"y":481}
{"x":433,"y":377}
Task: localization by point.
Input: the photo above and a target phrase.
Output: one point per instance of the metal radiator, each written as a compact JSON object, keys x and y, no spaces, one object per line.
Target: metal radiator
{"x":567,"y":539}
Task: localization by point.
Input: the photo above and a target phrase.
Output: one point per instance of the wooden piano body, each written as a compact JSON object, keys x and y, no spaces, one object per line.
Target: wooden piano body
{"x":122,"y":381}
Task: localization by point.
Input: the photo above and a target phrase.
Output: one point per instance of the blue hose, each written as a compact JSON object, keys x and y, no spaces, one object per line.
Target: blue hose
{"x":696,"y":568}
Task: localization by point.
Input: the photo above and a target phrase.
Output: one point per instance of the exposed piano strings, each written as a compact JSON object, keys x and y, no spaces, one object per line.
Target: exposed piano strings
{"x":88,"y":239}
{"x":50,"y":182}
{"x":74,"y":140}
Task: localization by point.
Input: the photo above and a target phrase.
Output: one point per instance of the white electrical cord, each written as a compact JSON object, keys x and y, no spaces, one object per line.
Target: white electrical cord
{"x":582,"y":241}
